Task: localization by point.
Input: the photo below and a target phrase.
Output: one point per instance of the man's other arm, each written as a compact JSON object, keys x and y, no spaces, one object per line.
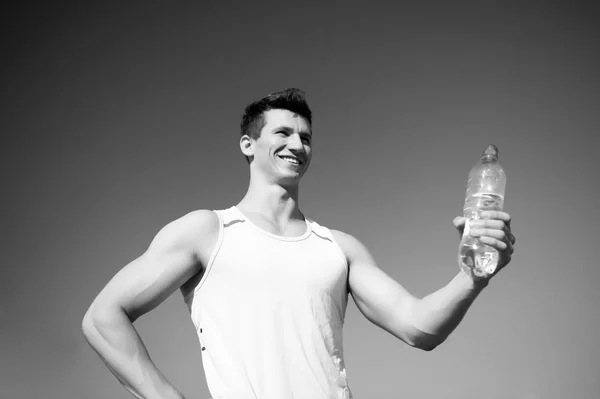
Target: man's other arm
{"x":174,"y":256}
{"x":420,"y":322}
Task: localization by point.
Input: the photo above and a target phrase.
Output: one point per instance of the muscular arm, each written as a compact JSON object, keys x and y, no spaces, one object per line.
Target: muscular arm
{"x":174,"y":256}
{"x":421,"y":322}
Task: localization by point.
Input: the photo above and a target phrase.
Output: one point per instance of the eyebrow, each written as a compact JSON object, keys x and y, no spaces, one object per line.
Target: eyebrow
{"x":289,"y":129}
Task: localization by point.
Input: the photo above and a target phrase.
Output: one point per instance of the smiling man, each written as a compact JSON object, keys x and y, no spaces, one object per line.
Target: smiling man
{"x":266,"y":286}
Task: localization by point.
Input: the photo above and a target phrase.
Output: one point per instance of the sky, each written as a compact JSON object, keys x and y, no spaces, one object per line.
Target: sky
{"x":118,"y":119}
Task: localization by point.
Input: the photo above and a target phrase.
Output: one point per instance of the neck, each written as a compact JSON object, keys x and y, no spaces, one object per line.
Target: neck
{"x":272,"y":201}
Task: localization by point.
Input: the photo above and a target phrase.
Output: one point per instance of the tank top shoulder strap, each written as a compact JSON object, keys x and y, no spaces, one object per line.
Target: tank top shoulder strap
{"x":325,"y":233}
{"x":321,"y":231}
{"x":229,"y":214}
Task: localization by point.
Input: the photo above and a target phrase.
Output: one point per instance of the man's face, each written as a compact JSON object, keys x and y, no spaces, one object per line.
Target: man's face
{"x":283,"y":150}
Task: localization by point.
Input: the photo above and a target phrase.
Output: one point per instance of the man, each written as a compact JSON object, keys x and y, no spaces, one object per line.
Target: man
{"x":266,"y":286}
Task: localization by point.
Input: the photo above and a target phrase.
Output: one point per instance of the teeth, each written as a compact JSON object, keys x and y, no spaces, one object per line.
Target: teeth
{"x":291,"y":160}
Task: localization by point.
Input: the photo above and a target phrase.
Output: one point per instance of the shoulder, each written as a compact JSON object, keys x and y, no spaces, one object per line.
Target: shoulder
{"x":188,"y":231}
{"x":343,"y":238}
{"x":352,"y":247}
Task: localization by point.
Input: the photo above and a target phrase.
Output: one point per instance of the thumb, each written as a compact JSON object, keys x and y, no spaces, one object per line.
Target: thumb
{"x":459,"y":224}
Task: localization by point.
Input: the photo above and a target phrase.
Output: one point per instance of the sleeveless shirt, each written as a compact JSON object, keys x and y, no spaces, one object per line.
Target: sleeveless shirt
{"x":269,"y":311}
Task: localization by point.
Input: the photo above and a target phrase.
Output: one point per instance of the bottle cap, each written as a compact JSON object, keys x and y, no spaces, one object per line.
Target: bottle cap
{"x":490,"y":150}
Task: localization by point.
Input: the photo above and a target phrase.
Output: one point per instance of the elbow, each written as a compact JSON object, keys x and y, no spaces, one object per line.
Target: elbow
{"x":88,"y":324}
{"x":425,"y":342}
{"x":427,"y":346}
{"x":95,"y":316}
{"x":100,"y":318}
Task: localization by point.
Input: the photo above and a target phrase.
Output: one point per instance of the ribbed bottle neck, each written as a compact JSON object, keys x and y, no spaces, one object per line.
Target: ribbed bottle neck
{"x":489,"y":158}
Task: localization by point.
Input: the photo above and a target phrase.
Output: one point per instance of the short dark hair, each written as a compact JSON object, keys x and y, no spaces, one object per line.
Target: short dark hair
{"x":290,"y":99}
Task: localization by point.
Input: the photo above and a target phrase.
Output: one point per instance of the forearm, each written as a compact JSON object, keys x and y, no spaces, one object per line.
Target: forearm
{"x":112,"y":335}
{"x":439,"y":313}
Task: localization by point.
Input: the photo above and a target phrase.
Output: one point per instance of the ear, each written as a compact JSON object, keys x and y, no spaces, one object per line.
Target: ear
{"x":247,"y":145}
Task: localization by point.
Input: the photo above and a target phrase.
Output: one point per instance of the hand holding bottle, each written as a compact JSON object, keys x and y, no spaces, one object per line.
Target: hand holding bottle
{"x":493,"y":230}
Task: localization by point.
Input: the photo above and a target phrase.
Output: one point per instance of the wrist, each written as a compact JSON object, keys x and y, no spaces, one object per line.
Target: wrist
{"x":471,"y":282}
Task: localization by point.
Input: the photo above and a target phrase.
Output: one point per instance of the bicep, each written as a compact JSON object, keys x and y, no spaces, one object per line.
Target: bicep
{"x":167,"y":264}
{"x":147,"y":281}
{"x":380,"y":298}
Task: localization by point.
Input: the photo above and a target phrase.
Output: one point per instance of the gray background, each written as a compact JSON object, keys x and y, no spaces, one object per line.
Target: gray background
{"x":117,"y":120}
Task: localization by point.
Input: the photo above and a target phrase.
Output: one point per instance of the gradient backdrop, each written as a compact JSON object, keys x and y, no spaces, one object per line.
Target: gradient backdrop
{"x":119,"y":119}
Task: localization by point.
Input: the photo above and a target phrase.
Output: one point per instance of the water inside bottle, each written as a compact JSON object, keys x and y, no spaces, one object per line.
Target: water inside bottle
{"x":478,"y":202}
{"x":474,"y":256}
{"x":477,"y":258}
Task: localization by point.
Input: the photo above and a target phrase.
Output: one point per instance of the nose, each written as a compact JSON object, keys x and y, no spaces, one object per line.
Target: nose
{"x":295,"y":142}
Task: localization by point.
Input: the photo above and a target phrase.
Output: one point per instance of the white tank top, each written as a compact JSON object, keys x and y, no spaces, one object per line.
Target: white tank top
{"x":269,"y":312}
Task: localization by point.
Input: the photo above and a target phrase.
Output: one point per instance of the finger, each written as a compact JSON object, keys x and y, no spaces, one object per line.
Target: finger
{"x":495,"y":224}
{"x":494,"y":233}
{"x":499,"y":215}
{"x":488,"y":223}
{"x":510,"y":247}
{"x":495,"y":215}
{"x":511,"y":237}
{"x":495,"y":243}
{"x":509,"y":244}
{"x":494,"y":238}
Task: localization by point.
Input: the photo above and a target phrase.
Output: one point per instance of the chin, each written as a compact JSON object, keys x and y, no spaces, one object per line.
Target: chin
{"x":290,"y":180}
{"x":290,"y":175}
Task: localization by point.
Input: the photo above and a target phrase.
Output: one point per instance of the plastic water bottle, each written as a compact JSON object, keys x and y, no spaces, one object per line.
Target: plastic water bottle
{"x":485,"y":191}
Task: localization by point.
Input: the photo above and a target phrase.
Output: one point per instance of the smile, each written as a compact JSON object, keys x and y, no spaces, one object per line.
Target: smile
{"x":292,"y":160}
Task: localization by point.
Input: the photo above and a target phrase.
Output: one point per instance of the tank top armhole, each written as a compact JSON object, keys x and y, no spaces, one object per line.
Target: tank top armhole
{"x":190,"y":295}
{"x":329,"y":234}
{"x":341,"y":252}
